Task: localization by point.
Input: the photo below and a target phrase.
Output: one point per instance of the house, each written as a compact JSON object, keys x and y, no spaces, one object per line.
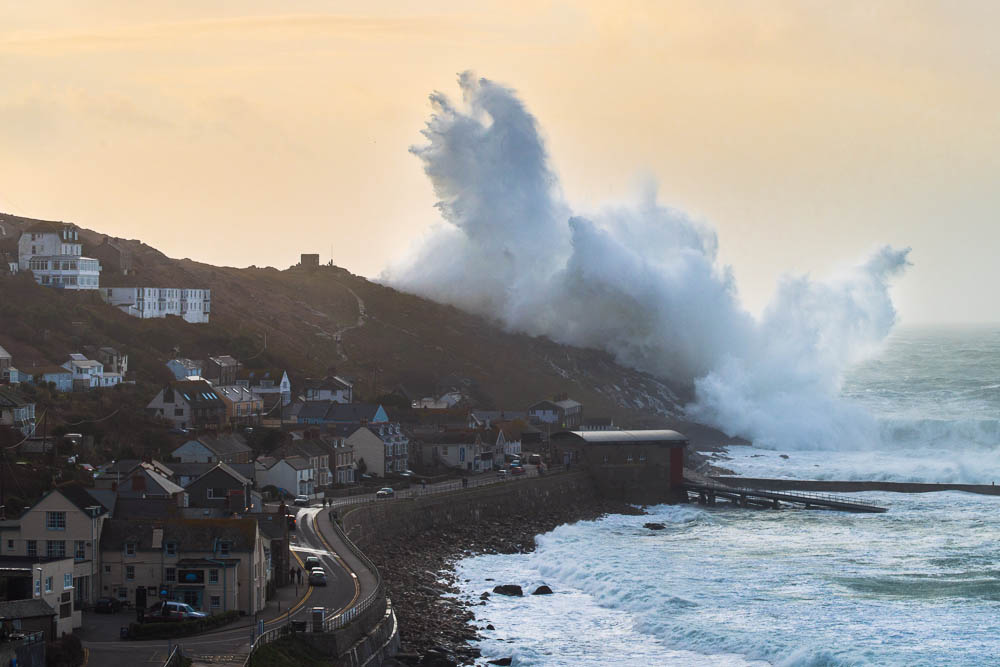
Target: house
{"x":214,"y":565}
{"x":59,"y":377}
{"x":221,"y":486}
{"x":565,"y":413}
{"x":331,"y":388}
{"x":383,"y":447}
{"x":443,"y":402}
{"x":43,"y":581}
{"x":189,"y":404}
{"x":6,"y":360}
{"x":292,"y":475}
{"x":89,"y":374}
{"x":309,"y":260}
{"x":225,"y":448}
{"x":505,"y":441}
{"x":464,"y":450}
{"x":242,"y":406}
{"x":485,"y":418}
{"x":273,"y":389}
{"x":53,"y":253}
{"x":145,"y":481}
{"x":16,"y":411}
{"x":184,"y":368}
{"x":113,"y":256}
{"x":331,"y":412}
{"x":274,"y":527}
{"x":26,"y":617}
{"x":221,"y":370}
{"x":313,"y":451}
{"x":185,"y":473}
{"x":63,"y":524}
{"x":113,"y":360}
{"x":193,"y":305}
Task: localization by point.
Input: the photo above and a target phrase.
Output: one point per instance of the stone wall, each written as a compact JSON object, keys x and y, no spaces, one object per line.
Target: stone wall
{"x":367,"y":524}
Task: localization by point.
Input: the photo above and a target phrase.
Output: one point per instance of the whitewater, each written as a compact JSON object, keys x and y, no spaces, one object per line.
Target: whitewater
{"x":919,"y":585}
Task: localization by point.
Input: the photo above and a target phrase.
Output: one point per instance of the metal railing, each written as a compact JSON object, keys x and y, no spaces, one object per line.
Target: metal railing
{"x":790,"y":495}
{"x":174,"y":657}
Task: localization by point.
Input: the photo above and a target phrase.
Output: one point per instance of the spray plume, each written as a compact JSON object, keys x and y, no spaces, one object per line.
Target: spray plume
{"x":642,"y":282}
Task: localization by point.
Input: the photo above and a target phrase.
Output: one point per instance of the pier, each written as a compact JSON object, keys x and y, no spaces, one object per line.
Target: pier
{"x":710,"y":493}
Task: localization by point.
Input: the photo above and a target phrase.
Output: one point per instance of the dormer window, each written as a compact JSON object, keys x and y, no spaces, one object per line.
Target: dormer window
{"x":171,"y":548}
{"x":130,"y":548}
{"x":224,"y":548}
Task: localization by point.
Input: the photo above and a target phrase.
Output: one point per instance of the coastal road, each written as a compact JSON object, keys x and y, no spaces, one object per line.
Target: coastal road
{"x":230,"y":646}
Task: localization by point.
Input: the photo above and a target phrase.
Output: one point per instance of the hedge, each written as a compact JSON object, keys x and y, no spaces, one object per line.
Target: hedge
{"x":171,"y":629}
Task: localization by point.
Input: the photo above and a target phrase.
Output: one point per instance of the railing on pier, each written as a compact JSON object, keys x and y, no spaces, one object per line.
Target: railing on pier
{"x":807,"y":498}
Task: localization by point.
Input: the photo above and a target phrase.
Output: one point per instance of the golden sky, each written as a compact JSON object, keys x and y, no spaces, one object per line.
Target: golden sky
{"x":248,"y":132}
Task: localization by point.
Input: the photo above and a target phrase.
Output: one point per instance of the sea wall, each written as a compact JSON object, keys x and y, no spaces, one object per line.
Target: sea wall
{"x":376,"y":523}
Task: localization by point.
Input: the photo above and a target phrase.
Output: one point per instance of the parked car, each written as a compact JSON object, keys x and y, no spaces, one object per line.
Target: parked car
{"x":517,"y":470}
{"x":317,"y":578}
{"x":168,"y":610}
{"x":313,"y":562}
{"x":301,"y":500}
{"x":107,"y":606}
{"x":406,"y":473}
{"x":502,"y":474}
{"x":515,"y":463}
{"x":385,"y":492}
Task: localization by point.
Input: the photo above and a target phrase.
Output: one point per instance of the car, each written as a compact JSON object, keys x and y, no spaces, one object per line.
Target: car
{"x":107,"y":606}
{"x":292,"y":523}
{"x":301,"y":500}
{"x":318,"y":569}
{"x":517,"y":470}
{"x":317,"y":578}
{"x":313,"y":562}
{"x":502,"y":474}
{"x":515,"y":463}
{"x":169,"y":610}
{"x":385,"y":492}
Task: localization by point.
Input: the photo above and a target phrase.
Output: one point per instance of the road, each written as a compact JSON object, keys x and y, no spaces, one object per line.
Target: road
{"x":229,"y":646}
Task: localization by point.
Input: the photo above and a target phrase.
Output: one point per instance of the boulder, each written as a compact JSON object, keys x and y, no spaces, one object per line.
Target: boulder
{"x":500,"y":661}
{"x":484,"y":596}
{"x":489,"y":626}
{"x":542,"y":590}
{"x":654,"y":526}
{"x":509,"y":589}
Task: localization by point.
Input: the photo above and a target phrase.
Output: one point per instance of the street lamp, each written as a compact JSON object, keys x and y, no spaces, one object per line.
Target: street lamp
{"x":93,"y":511}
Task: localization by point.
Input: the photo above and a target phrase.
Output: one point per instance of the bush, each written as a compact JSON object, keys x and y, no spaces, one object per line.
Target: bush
{"x":171,"y":629}
{"x":66,"y":651}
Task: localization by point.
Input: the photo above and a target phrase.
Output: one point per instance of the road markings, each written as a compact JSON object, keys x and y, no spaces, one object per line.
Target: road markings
{"x":341,"y":562}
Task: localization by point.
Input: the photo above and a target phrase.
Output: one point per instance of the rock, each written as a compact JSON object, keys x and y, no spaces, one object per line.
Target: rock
{"x":654,"y":526}
{"x":509,"y":589}
{"x":484,"y":596}
{"x":500,"y":661}
{"x":784,"y":456}
{"x":542,"y":590}
{"x":489,"y":626}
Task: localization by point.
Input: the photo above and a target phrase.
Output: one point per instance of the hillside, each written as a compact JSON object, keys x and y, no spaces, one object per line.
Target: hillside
{"x":318,"y":319}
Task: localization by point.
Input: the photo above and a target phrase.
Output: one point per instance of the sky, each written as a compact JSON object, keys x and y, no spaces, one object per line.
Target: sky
{"x":245,"y":133}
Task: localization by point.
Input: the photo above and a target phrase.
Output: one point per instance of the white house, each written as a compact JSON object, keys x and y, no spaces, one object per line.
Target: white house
{"x":465,"y":450}
{"x":292,"y":474}
{"x":89,"y":374}
{"x":53,"y":253}
{"x":331,"y":388}
{"x":184,"y":368}
{"x":383,"y":447}
{"x":194,"y":305}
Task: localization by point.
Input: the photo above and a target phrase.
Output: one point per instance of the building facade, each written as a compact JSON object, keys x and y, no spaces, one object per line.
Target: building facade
{"x":53,"y":253}
{"x":189,"y":404}
{"x":383,"y":447}
{"x":193,"y":305}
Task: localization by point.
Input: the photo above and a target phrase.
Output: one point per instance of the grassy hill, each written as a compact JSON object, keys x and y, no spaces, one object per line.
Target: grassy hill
{"x":309,"y":321}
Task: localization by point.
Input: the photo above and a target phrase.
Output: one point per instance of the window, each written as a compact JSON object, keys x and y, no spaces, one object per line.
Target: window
{"x":67,"y":581}
{"x":629,"y":459}
{"x":130,"y":572}
{"x":65,"y":610}
{"x":216,"y":601}
{"x":171,"y":548}
{"x":55,"y":520}
{"x":171,"y":574}
{"x":107,"y":569}
{"x":55,"y":548}
{"x":38,"y":587}
{"x":10,"y":545}
{"x":32,"y":548}
{"x":122,"y":593}
{"x":213,"y":576}
{"x":80,"y":550}
{"x":130,"y":548}
{"x":48,"y":584}
{"x":224,"y":548}
{"x":642,"y":458}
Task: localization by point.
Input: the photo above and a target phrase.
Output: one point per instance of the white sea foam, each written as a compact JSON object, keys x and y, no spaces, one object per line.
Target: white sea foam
{"x":642,"y":281}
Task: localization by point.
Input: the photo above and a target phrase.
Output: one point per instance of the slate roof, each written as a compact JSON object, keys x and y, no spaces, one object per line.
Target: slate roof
{"x":224,"y":445}
{"x":314,"y":409}
{"x":350,"y":413}
{"x":297,"y":462}
{"x":198,"y":469}
{"x":4,"y":354}
{"x":240,"y":479}
{"x":272,"y":525}
{"x":11,"y":399}
{"x":197,"y":393}
{"x":192,"y":535}
{"x":15,"y":609}
{"x":79,"y":495}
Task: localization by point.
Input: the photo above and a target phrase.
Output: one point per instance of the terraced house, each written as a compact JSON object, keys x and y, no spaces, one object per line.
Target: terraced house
{"x":215,"y":565}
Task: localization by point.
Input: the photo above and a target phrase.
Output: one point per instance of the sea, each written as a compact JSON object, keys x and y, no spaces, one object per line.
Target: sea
{"x":919,"y":585}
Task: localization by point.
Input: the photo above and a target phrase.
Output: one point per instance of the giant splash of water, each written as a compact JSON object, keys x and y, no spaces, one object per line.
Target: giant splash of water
{"x":642,"y":282}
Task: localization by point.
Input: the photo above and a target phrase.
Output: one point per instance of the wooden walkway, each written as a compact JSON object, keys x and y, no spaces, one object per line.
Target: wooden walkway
{"x":709,"y":494}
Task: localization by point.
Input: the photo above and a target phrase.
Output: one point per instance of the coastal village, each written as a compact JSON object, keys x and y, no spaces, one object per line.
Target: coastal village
{"x":213,"y":513}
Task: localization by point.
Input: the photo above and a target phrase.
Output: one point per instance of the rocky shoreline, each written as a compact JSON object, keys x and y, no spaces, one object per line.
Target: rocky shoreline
{"x":435,"y":630}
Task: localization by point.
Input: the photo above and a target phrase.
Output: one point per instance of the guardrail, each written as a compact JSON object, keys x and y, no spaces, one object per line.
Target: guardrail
{"x":338,"y":620}
{"x":266,"y":637}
